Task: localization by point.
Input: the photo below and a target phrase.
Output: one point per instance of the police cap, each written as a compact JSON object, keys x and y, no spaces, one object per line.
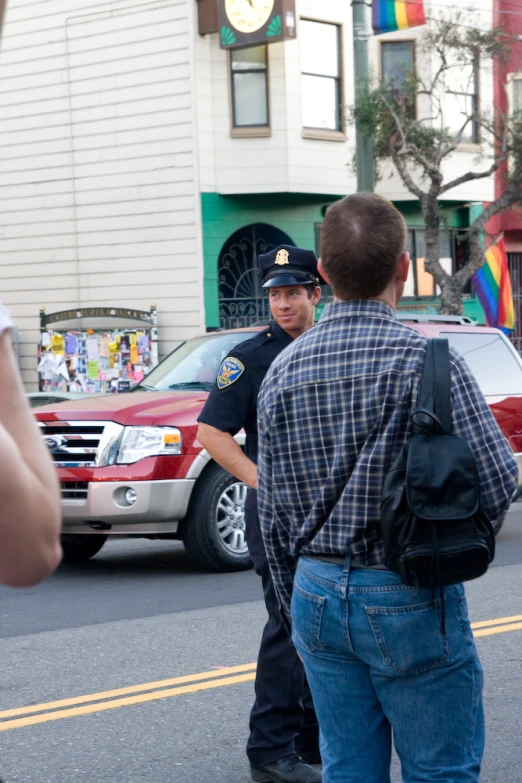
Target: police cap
{"x":289,"y":265}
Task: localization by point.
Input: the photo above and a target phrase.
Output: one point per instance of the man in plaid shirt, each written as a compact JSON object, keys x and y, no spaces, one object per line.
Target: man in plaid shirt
{"x":333,"y":415}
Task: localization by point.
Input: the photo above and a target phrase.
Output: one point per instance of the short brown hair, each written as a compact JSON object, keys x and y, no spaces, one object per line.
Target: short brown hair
{"x":362,"y":238}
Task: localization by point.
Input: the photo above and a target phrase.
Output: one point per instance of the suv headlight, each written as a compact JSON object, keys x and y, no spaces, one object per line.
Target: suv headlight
{"x":140,"y":442}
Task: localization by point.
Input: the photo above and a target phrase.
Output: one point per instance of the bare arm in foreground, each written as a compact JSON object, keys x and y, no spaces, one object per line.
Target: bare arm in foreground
{"x":30,"y":520}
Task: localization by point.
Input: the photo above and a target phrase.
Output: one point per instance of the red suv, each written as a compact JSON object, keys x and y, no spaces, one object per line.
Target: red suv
{"x":130,"y":464}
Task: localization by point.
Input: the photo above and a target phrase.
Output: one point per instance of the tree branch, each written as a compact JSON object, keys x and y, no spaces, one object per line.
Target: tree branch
{"x":449,"y":148}
{"x":512,"y":195}
{"x":408,"y":148}
{"x":470,"y":176}
{"x":401,"y":166}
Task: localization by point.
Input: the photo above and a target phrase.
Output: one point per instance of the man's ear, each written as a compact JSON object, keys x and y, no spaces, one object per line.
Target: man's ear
{"x":320,"y":269}
{"x":316,"y":296}
{"x":403,"y":267}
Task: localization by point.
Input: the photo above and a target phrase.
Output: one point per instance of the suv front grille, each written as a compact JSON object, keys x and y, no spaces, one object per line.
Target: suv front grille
{"x":75,"y":490}
{"x":73,"y":446}
{"x":80,"y":444}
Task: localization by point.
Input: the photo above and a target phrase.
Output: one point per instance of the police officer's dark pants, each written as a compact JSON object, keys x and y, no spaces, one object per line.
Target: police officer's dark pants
{"x":283,"y":719}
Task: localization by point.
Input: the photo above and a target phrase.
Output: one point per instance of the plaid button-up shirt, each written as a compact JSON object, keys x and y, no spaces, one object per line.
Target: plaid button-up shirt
{"x":333,"y":414}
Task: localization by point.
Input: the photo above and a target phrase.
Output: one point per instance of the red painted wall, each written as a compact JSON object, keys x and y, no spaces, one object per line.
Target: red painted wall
{"x":512,"y":24}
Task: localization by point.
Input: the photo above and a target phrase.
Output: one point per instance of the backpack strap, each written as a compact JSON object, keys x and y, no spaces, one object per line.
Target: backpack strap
{"x":435,"y":387}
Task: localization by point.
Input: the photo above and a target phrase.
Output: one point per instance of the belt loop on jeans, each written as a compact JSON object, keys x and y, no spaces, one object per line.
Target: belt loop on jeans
{"x":345,"y":576}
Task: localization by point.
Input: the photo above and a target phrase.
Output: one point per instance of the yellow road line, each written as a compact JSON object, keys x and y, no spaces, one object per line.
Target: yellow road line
{"x":116,"y":703}
{"x":147,"y":686}
{"x":498,"y":621}
{"x":499,"y":629}
{"x":190,"y":683}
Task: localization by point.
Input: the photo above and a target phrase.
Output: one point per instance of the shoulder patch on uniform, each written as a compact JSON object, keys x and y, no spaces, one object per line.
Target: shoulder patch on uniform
{"x":231,"y":369}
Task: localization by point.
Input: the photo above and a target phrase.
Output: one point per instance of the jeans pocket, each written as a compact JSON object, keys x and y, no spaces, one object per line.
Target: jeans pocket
{"x":409,"y":638}
{"x":307,"y":615}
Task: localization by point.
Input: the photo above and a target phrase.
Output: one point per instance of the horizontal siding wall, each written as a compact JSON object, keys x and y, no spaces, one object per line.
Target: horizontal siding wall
{"x":99,"y":201}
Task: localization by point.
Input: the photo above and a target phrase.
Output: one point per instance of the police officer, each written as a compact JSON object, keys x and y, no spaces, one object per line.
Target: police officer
{"x":284,"y":735}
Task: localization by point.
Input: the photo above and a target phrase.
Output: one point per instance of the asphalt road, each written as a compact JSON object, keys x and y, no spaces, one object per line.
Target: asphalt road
{"x":182,"y":645}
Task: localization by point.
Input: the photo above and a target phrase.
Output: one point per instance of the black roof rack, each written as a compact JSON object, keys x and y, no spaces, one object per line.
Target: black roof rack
{"x":423,"y":318}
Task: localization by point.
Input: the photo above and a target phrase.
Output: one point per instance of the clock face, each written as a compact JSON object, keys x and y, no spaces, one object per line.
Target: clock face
{"x":247,"y":16}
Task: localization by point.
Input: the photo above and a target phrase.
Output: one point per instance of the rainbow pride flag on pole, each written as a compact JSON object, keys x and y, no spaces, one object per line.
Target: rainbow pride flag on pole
{"x":390,"y":15}
{"x":493,"y":286}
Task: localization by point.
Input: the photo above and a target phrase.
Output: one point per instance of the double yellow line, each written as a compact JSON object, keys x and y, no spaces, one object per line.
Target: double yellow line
{"x":500,"y":625}
{"x":177,"y":686}
{"x":111,"y":700}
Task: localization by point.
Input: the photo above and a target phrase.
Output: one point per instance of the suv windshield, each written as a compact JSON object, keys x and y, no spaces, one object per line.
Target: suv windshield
{"x":194,"y":365}
{"x":491,"y":361}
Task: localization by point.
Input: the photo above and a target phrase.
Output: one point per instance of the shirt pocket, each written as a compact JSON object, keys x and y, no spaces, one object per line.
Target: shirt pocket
{"x":307,"y":616}
{"x":409,"y":638}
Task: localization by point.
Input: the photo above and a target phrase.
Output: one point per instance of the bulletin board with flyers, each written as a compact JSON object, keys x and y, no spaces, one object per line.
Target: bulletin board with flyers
{"x":97,"y":360}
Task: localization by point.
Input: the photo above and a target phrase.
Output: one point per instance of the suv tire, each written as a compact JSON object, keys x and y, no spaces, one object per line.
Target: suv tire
{"x":78,"y":548}
{"x":214,"y":540}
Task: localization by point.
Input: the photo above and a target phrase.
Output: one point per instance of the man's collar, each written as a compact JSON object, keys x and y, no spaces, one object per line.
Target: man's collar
{"x":359,"y":308}
{"x":280,"y":333}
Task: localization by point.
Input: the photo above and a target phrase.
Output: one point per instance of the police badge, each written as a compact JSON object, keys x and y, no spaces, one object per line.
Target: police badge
{"x":231,"y":369}
{"x":282,"y":257}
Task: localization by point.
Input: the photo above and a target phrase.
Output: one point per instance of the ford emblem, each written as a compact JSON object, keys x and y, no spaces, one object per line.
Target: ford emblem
{"x":55,"y":443}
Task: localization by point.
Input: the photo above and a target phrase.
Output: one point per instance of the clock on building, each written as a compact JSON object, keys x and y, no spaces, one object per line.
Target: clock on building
{"x":254,"y":22}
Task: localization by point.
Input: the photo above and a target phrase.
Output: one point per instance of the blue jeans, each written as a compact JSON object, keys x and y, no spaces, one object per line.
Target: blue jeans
{"x":377,"y":662}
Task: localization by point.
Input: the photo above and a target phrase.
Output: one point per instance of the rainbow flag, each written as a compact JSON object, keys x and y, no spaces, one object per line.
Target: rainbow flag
{"x":390,"y":15}
{"x":493,"y":286}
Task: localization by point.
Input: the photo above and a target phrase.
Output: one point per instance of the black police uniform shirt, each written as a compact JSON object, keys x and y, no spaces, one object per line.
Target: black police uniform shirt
{"x":232,"y":402}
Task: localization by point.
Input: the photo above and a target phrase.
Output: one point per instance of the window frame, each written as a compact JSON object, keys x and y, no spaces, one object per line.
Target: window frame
{"x":248,"y":131}
{"x":411,"y":41}
{"x":328,"y":134}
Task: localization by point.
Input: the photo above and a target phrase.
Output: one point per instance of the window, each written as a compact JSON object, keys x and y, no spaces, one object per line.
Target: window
{"x":516,"y":93}
{"x":321,"y":75}
{"x":249,"y":77}
{"x":397,"y":65}
{"x":397,"y":62}
{"x":454,"y":254}
{"x":461,"y":100}
{"x":195,"y":361}
{"x":515,"y":98}
{"x":491,"y":361}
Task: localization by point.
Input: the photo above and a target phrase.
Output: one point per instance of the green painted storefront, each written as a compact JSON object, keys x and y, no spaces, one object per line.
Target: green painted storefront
{"x":298,"y":215}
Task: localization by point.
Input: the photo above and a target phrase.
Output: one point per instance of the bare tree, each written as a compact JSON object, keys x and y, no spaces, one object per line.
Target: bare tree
{"x":453,"y":53}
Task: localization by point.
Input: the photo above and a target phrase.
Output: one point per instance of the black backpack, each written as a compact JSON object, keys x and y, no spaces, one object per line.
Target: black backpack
{"x":434,"y":531}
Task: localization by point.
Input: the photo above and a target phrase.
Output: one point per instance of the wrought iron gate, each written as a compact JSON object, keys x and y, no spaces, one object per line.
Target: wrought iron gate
{"x":515,"y":271}
{"x":242,"y":300}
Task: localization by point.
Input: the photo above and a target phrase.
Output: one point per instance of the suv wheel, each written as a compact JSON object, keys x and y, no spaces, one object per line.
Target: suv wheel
{"x":77,"y":549}
{"x":214,"y":535}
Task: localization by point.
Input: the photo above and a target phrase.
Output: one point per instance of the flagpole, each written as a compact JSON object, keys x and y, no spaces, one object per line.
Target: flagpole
{"x":364,"y":144}
{"x":492,"y":244}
